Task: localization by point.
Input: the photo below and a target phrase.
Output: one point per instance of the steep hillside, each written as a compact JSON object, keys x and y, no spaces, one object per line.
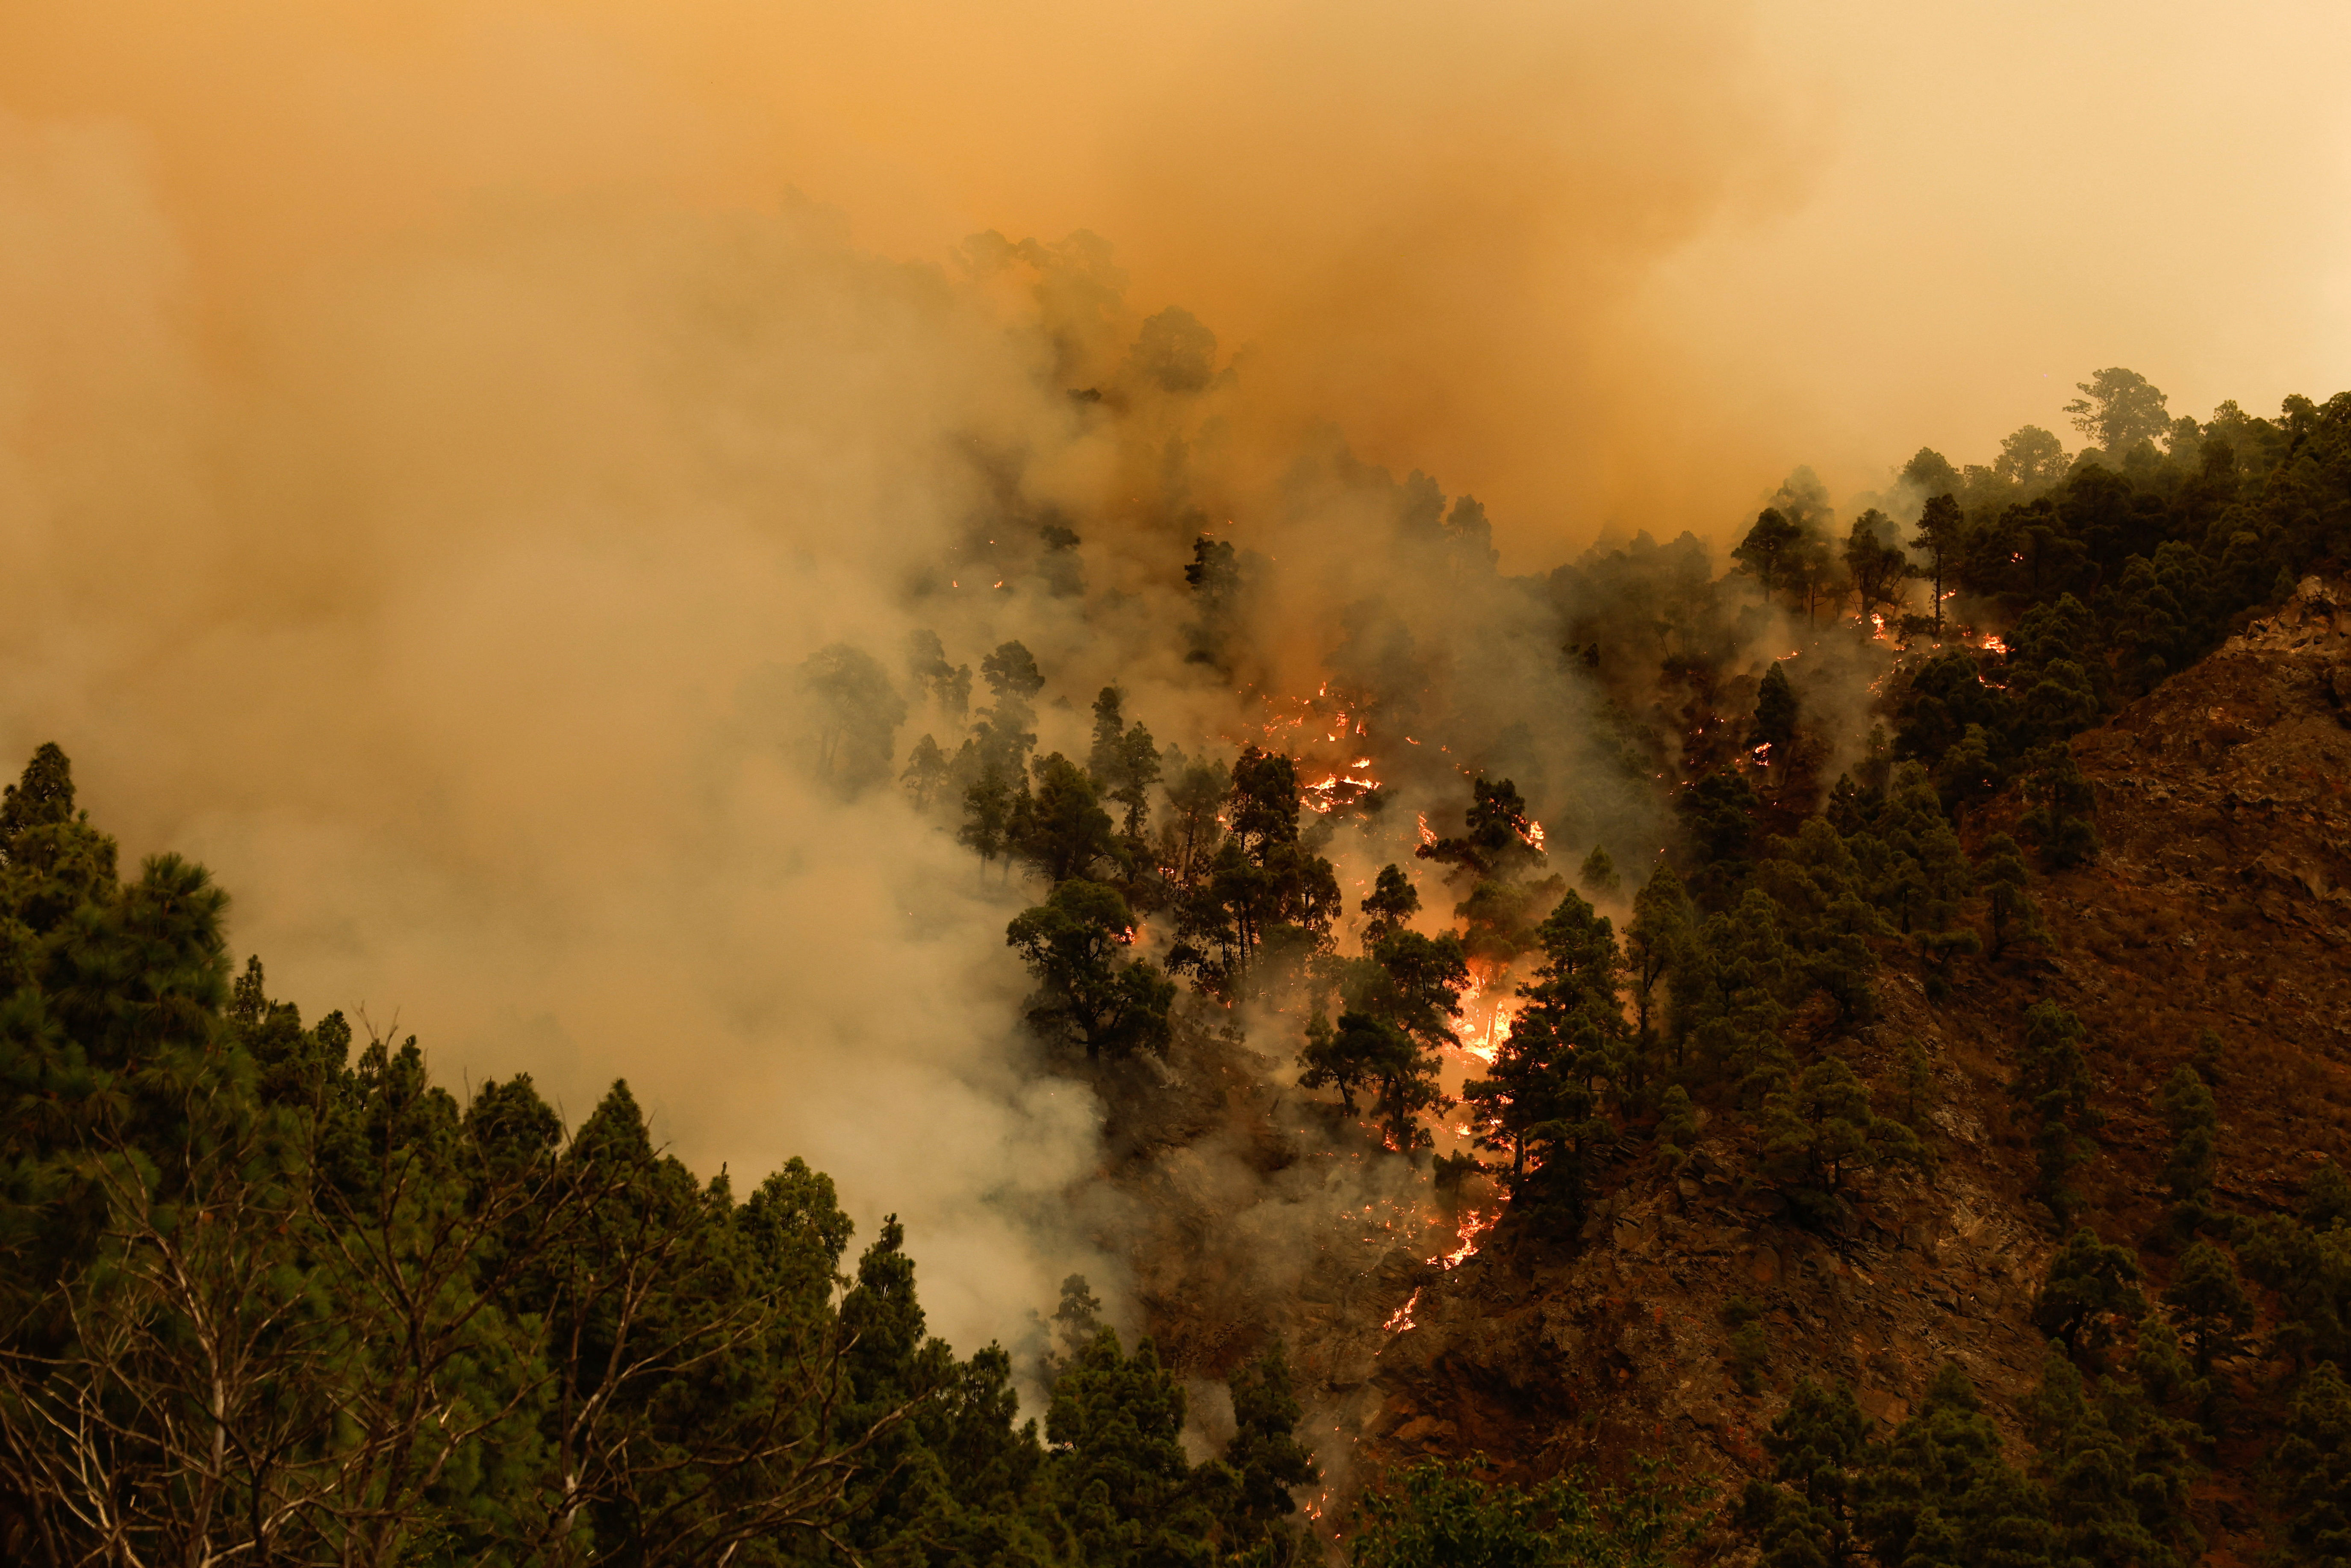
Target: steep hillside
{"x":2218,"y":904}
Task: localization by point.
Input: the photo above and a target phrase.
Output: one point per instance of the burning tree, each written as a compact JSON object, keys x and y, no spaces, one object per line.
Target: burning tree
{"x":1540,"y":1097}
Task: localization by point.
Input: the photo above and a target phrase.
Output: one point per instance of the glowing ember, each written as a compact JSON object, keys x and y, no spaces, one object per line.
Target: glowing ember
{"x":1291,"y":726}
{"x":1473,"y":1226}
{"x":1400,"y":1320}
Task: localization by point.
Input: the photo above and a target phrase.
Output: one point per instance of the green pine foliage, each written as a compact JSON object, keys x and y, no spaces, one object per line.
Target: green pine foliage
{"x":1254,"y":901}
{"x":1089,"y":992}
{"x":1819,"y":1133}
{"x":2210,"y":1303}
{"x":1540,"y":1098}
{"x":2312,"y":1469}
{"x":2194,"y":1119}
{"x":2116,"y":1470}
{"x":270,"y":1294}
{"x":1497,"y":857}
{"x":1450,"y":1515}
{"x":1806,"y":1513}
{"x":2053,"y":1093}
{"x":2007,"y":885}
{"x":2091,"y":1290}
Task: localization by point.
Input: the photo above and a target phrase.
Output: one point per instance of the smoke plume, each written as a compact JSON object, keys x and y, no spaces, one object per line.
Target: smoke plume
{"x":432,"y":438}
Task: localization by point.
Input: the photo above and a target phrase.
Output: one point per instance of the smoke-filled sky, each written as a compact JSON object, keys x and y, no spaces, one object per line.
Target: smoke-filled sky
{"x":420,"y":426}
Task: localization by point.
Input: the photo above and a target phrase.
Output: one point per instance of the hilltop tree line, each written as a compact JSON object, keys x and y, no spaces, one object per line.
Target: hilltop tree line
{"x":1735,"y":993}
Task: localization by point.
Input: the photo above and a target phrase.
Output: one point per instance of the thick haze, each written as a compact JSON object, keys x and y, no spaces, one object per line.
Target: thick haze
{"x":420,"y":426}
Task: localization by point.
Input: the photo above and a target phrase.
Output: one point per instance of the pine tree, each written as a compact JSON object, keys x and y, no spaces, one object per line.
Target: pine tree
{"x":1262,"y":893}
{"x":1749,"y":1347}
{"x":926,"y":773}
{"x":1773,"y":731}
{"x":1818,"y":1131}
{"x":1118,"y":1468}
{"x":2091,"y":1286}
{"x":1123,"y":764}
{"x":2313,"y":1463}
{"x":1264,"y":1460}
{"x":2008,"y":894}
{"x":1538,"y":1094}
{"x":1072,"y":944}
{"x":2210,"y":1302}
{"x":988,"y":806}
{"x":1718,"y":812}
{"x":1815,"y":886}
{"x":1455,"y":1515}
{"x":1392,"y":902}
{"x":1732,"y":997}
{"x":2062,"y":815}
{"x":855,"y":713}
{"x":1401,"y":1000}
{"x":1942,"y":535}
{"x":1769,"y":547}
{"x":1061,"y":829}
{"x":1874,"y":566}
{"x":1940,"y":1492}
{"x":2053,"y":1089}
{"x":1496,"y":855}
{"x":2190,"y":1111}
{"x":1656,"y":939}
{"x":2116,"y":1472}
{"x":1805,"y":1515}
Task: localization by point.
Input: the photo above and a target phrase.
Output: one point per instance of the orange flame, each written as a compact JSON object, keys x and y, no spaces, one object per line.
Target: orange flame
{"x":1473,"y":1226}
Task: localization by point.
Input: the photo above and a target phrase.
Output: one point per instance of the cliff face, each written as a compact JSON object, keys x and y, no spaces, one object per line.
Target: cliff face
{"x":2222,"y":901}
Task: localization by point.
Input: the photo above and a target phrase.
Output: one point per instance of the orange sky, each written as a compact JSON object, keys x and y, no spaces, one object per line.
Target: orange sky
{"x":1587,"y":261}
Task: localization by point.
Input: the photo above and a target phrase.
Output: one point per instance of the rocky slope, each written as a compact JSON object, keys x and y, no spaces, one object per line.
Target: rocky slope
{"x":2223,"y":902}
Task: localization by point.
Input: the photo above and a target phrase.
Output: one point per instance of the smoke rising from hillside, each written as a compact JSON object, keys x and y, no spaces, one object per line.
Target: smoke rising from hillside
{"x":420,"y":433}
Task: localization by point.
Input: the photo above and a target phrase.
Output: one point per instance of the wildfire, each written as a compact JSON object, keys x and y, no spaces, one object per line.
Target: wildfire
{"x":1428,"y":833}
{"x":1535,"y":834}
{"x":1345,"y":778}
{"x":1473,"y":1226}
{"x":1483,"y":1043}
{"x":1338,"y":789}
{"x":1400,"y":1320}
{"x":1993,"y":643}
{"x":1489,"y":1046}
